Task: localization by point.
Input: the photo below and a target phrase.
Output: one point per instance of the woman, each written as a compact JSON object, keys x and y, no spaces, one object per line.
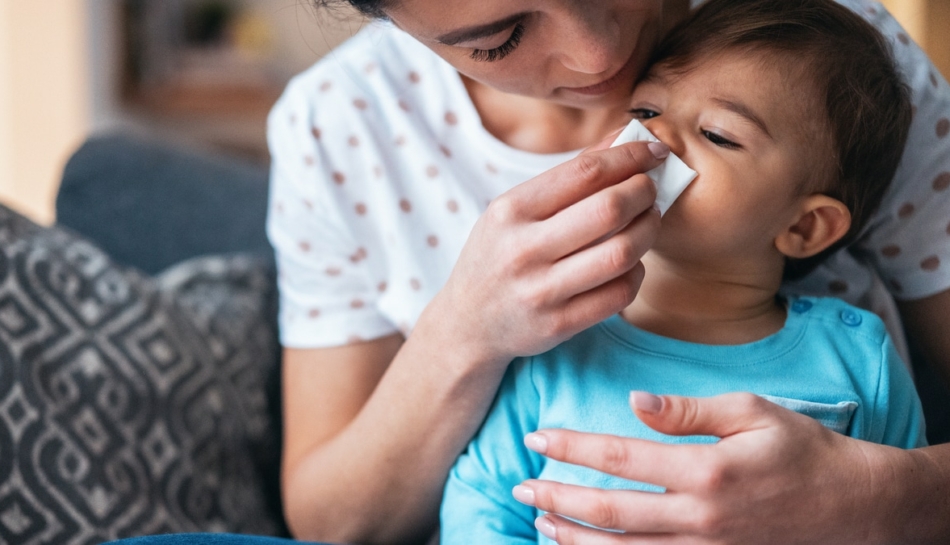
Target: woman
{"x":386,"y":155}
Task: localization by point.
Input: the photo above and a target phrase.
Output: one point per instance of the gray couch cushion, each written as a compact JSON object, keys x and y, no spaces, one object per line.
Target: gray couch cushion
{"x":151,"y":205}
{"x":129,"y":405}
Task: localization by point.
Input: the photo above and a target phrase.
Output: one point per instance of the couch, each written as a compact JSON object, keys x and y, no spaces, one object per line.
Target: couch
{"x":139,"y":362}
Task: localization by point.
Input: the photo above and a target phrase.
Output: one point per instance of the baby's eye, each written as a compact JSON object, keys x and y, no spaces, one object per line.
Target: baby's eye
{"x":720,"y":141}
{"x":643,"y":113}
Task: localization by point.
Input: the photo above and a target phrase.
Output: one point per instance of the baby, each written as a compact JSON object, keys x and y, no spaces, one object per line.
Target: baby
{"x":794,"y":116}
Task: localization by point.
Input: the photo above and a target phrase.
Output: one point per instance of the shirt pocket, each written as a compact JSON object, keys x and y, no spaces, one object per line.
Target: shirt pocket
{"x":835,"y":417}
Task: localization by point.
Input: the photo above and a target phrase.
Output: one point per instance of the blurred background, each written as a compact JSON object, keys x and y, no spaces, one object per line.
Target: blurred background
{"x":200,"y":72}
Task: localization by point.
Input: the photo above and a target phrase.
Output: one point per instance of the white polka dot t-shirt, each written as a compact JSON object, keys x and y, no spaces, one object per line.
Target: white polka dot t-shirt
{"x":380,"y":168}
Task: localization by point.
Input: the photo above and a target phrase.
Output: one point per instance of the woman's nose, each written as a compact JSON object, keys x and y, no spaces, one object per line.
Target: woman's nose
{"x":589,"y":45}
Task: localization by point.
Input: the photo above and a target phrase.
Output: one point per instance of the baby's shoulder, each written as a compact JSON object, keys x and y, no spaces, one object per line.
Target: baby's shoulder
{"x":835,"y":317}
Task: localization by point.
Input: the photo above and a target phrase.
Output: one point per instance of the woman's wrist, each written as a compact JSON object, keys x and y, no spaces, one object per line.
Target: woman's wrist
{"x":909,"y":497}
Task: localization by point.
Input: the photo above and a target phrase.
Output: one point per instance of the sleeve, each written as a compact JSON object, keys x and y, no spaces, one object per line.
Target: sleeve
{"x":327,"y":295}
{"x":478,"y":506}
{"x":897,"y":417}
{"x":908,"y":240}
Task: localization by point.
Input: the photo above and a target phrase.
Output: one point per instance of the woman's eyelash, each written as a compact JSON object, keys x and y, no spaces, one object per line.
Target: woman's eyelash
{"x":720,"y":141}
{"x":502,"y":51}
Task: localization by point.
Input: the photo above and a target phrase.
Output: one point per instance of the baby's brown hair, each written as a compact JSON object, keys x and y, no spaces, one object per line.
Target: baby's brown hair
{"x":865,"y":100}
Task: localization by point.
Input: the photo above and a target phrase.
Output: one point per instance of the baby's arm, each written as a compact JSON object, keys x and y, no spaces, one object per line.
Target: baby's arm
{"x":898,"y":418}
{"x":477,"y":506}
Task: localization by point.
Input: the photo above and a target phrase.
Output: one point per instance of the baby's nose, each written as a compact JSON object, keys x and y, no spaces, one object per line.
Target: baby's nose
{"x":666,"y":133}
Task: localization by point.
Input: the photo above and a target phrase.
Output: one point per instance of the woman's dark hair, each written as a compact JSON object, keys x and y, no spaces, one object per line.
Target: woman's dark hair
{"x":866,"y":103}
{"x":369,"y":8}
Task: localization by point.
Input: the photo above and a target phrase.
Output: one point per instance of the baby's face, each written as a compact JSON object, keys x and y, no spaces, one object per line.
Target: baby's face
{"x":756,"y":135}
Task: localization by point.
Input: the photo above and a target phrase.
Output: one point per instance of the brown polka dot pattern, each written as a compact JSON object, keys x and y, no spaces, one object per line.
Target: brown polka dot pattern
{"x":293,"y":119}
{"x":414,"y":77}
{"x":357,"y":304}
{"x":360,"y":255}
{"x":838,"y":287}
{"x":404,"y":106}
{"x":339,"y":178}
{"x":415,"y":284}
{"x":307,"y":204}
{"x":309,"y":160}
{"x":942,"y":181}
{"x":314,"y":313}
{"x":400,"y":141}
{"x":326,"y":86}
{"x":891,"y":251}
{"x":353,"y":142}
{"x":378,"y":171}
{"x":279,"y":207}
{"x":906,"y":210}
{"x":360,"y":209}
{"x":360,"y":104}
{"x":316,"y":132}
{"x":446,"y":151}
{"x":903,"y":38}
{"x":932,"y":263}
{"x":933,"y":80}
{"x":334,"y":271}
{"x":432,"y":241}
{"x":381,"y":288}
{"x":304,"y":246}
{"x":370,"y":68}
{"x":432,"y":171}
{"x":943,"y":127}
{"x":492,"y":169}
{"x":896,"y":285}
{"x":451,"y":118}
{"x":453,"y":206}
{"x":405,"y":206}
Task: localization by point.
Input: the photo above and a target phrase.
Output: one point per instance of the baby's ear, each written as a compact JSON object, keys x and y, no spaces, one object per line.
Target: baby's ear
{"x":821,"y":221}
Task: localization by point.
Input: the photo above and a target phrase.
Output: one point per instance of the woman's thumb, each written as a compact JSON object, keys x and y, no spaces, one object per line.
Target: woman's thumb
{"x":719,"y":416}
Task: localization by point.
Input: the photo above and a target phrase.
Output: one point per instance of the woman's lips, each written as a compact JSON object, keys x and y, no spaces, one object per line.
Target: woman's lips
{"x":608,"y":84}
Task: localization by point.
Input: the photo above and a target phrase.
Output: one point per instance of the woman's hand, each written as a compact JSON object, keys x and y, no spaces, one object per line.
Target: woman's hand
{"x":775,"y":477}
{"x":552,"y":256}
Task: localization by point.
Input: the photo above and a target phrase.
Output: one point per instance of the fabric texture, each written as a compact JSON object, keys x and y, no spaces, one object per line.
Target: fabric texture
{"x":207,"y":539}
{"x":151,"y":205}
{"x":831,"y":362}
{"x":128,"y":405}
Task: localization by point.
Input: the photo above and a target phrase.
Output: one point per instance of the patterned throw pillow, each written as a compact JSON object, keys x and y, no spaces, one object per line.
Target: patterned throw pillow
{"x":131,"y":405}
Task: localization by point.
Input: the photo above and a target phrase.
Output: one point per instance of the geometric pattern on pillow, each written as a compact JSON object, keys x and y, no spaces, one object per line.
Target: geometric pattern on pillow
{"x":131,"y":405}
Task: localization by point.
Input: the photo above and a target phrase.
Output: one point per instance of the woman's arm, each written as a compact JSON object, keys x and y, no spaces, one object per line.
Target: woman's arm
{"x":372,"y":429}
{"x":776,"y":477}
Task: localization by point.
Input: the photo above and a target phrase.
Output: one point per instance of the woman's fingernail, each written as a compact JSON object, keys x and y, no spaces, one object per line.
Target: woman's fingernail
{"x":659,"y":150}
{"x":546,"y":527}
{"x":523,"y":494}
{"x":646,"y":402}
{"x":536,"y":442}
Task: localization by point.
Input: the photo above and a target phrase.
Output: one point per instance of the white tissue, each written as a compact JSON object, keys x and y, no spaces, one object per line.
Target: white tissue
{"x":672,"y":177}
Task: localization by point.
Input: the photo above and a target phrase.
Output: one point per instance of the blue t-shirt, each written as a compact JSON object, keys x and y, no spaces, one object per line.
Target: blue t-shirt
{"x":831,"y":361}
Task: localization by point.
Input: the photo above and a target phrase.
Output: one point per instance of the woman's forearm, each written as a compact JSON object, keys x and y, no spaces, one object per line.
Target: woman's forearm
{"x":380,"y":479}
{"x":911,"y":498}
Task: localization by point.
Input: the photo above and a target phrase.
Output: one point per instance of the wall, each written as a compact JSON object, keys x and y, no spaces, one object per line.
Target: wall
{"x":44,"y":98}
{"x":927,"y":22}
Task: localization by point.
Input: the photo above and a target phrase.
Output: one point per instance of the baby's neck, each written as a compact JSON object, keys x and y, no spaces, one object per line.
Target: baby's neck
{"x":703,"y":305}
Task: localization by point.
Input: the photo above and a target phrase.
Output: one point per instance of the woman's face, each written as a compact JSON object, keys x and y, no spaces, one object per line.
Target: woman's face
{"x":578,"y":53}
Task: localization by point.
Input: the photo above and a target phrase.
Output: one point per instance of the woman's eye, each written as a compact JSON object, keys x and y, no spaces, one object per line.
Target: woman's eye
{"x":502,"y":51}
{"x":720,"y":141}
{"x":643,"y":113}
